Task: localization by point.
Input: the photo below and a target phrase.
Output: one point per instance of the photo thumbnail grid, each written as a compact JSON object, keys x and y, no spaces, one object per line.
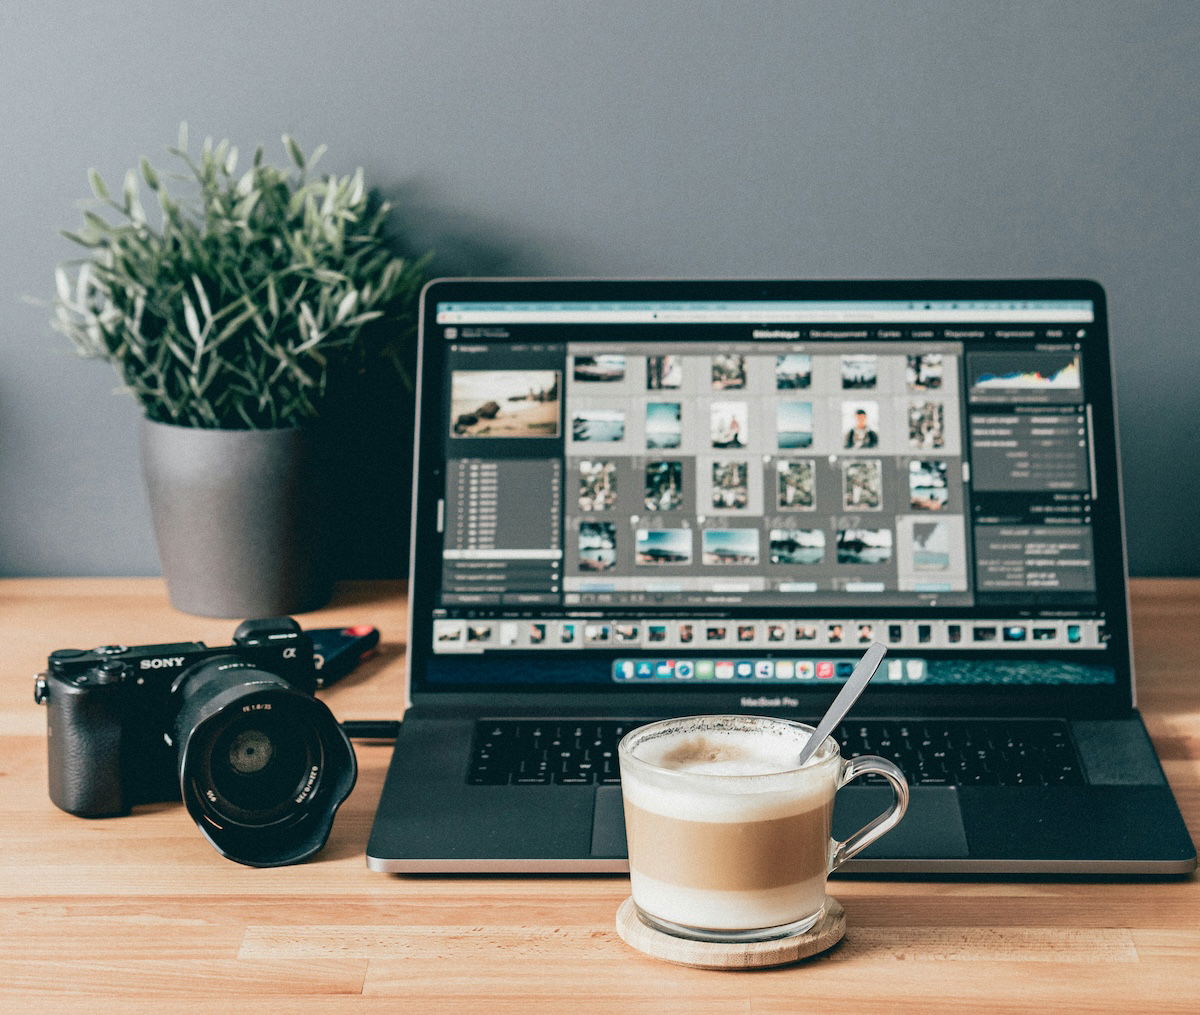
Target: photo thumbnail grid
{"x":696,"y":460}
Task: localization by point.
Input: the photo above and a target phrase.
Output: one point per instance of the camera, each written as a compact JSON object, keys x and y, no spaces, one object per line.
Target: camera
{"x":260,"y":763}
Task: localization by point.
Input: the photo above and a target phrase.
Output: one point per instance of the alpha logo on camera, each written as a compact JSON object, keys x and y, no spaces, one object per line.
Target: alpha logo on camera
{"x":162,"y":664}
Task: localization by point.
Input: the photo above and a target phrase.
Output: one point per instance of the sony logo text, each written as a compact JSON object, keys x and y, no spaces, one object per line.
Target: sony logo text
{"x":161,"y":664}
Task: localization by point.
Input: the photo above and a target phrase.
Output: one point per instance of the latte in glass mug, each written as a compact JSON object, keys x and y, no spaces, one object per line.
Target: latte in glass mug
{"x":729,"y":839}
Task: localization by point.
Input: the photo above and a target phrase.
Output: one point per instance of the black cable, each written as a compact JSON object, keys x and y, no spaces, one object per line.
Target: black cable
{"x":371,"y":729}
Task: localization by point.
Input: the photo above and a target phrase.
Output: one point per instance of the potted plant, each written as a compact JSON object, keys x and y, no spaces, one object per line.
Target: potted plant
{"x":236,"y":310}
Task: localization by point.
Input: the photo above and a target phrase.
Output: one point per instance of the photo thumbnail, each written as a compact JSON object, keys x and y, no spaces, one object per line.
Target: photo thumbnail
{"x":793,"y":371}
{"x":797,"y":546}
{"x":927,"y":486}
{"x":449,"y":631}
{"x":597,"y":485}
{"x":931,"y":546}
{"x":859,"y":370}
{"x":795,"y":487}
{"x":597,"y":633}
{"x":728,"y":371}
{"x":597,"y":546}
{"x":729,"y":424}
{"x":663,"y":372}
{"x":599,"y":368}
{"x":664,"y":486}
{"x":664,"y":546}
{"x":664,"y":428}
{"x":860,"y":425}
{"x":730,"y":485}
{"x":794,"y":424}
{"x":625,"y":631}
{"x":504,"y":403}
{"x":730,"y":546}
{"x":924,"y":372}
{"x":864,"y":546}
{"x":926,"y":425}
{"x":862,"y":485}
{"x":599,"y":425}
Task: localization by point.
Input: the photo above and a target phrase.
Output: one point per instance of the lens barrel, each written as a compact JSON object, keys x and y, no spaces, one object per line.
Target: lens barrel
{"x":263,"y":767}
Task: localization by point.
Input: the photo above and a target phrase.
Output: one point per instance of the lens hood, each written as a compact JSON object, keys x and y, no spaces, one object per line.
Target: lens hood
{"x":263,"y":767}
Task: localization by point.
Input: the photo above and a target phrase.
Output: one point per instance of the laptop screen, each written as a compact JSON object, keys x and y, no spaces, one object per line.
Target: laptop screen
{"x":683,"y":491}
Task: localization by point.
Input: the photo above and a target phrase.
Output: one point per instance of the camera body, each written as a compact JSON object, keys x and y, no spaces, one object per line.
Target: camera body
{"x":111,"y":711}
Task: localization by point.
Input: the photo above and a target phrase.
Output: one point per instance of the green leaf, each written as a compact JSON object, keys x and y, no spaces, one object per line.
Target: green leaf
{"x":97,"y":185}
{"x":192,"y":321}
{"x":293,"y":150}
{"x":183,"y":136}
{"x":149,"y":175}
{"x":345,"y":307}
{"x":130,"y":190}
{"x":203,"y":298}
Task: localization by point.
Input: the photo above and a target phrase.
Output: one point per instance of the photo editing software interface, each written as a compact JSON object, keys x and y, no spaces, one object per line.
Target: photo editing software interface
{"x":750,"y":492}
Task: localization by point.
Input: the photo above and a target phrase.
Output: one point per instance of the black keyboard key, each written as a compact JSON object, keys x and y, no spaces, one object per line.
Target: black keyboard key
{"x":534,"y":779}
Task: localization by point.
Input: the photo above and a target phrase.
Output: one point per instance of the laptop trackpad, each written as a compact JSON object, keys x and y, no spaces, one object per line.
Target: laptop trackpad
{"x":608,"y":823}
{"x":932,"y":828}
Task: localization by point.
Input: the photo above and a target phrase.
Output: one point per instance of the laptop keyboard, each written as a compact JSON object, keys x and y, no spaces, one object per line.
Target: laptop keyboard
{"x":531,"y":752}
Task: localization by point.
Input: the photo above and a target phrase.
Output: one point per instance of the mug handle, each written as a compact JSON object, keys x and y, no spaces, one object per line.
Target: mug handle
{"x":870,"y":764}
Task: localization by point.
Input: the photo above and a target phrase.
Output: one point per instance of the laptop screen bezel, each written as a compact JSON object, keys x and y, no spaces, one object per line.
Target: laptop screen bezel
{"x":428,"y":484}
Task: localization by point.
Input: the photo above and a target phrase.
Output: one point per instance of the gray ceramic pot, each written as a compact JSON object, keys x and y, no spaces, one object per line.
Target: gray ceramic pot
{"x":238,"y":519}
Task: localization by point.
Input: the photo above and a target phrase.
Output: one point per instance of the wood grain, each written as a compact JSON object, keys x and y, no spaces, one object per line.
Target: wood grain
{"x":139,"y":914}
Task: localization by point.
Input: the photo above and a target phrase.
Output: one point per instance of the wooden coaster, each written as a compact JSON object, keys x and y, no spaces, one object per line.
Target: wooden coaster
{"x":825,"y":933}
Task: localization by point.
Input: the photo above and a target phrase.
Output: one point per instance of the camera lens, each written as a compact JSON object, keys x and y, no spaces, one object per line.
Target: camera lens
{"x":250,"y":752}
{"x":263,"y":766}
{"x":257,"y":766}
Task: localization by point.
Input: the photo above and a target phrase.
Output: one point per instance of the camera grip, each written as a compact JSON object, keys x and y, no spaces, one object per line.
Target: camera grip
{"x":84,"y":735}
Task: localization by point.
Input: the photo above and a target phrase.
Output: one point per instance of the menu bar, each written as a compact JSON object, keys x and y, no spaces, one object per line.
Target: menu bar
{"x":767,"y":312}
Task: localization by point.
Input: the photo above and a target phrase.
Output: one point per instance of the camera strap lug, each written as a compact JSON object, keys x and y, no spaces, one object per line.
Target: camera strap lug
{"x":41,"y":689}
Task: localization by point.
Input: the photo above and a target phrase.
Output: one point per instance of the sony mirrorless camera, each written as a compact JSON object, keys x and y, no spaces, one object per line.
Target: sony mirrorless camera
{"x":261,"y":764}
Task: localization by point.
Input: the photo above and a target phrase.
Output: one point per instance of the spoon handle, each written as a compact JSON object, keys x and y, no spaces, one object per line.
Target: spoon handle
{"x":847,"y":696}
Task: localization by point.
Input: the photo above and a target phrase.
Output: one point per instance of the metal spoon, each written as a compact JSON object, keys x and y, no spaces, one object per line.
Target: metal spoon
{"x":847,"y":696}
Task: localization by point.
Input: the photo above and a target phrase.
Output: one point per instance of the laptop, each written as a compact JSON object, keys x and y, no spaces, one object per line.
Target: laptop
{"x":642,"y":499}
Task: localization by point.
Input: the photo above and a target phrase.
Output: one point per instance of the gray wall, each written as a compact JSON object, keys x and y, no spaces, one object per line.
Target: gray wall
{"x":805,"y":139}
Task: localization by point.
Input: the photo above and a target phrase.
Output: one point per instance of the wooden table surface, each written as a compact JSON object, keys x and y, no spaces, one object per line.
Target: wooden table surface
{"x":140,"y":913}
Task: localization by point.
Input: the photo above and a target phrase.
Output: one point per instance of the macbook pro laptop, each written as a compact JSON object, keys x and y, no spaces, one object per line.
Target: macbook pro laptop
{"x":641,"y":499}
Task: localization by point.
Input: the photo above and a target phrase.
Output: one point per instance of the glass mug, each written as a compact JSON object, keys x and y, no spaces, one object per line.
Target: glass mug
{"x":726,"y":841}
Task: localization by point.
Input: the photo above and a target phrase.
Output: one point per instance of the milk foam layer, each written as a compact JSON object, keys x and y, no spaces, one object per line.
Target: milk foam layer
{"x":767,"y":784}
{"x":724,"y":752}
